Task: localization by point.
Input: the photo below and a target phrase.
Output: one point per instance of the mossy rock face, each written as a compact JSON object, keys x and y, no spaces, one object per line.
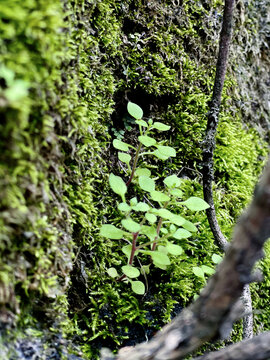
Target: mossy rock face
{"x":35,"y":226}
{"x":51,"y":156}
{"x":68,"y":69}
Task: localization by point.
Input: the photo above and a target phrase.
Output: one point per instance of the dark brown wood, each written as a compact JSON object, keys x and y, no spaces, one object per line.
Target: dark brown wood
{"x":209,"y":147}
{"x":256,"y":348}
{"x":209,"y":142}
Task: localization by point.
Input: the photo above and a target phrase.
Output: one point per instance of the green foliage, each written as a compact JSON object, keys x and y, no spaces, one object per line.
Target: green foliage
{"x":50,"y":131}
{"x":28,"y":74}
{"x":261,"y":294}
{"x":155,"y":238}
{"x":60,"y":82}
{"x":239,"y":173}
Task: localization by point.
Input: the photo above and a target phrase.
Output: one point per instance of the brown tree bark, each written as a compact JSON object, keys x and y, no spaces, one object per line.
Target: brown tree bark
{"x":256,"y":348}
{"x":209,"y":142}
{"x":209,"y":147}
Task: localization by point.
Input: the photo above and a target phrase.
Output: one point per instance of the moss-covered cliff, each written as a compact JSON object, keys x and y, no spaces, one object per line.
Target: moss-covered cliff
{"x":67,"y":69}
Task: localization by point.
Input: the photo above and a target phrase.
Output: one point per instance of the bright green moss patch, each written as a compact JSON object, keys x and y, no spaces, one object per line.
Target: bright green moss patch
{"x":29,"y":33}
{"x":239,"y":159}
{"x":261,"y":294}
{"x":53,"y":102}
{"x":67,"y":71}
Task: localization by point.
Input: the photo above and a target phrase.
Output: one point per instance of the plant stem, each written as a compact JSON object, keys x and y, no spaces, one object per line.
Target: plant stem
{"x":158,"y":230}
{"x":134,"y":164}
{"x":134,"y":247}
{"x":132,"y":254}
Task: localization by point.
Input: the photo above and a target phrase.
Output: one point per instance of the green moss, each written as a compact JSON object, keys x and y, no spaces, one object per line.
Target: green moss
{"x":54,"y":128}
{"x":28,"y":36}
{"x":238,"y":165}
{"x":68,"y":68}
{"x":261,"y":295}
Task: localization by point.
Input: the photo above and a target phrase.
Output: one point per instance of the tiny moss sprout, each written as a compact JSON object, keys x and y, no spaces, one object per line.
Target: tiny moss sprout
{"x":149,"y":225}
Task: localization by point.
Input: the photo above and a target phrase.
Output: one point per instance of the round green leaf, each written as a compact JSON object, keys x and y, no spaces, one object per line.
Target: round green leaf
{"x":160,"y":258}
{"x":138,"y":287}
{"x":127,"y":250}
{"x":176,"y":193}
{"x":112,"y":272}
{"x":120,"y":145}
{"x":162,"y":249}
{"x":164,"y":213}
{"x":117,"y":185}
{"x":125,"y":158}
{"x":146,"y":183}
{"x":149,"y":231}
{"x":151,"y":218}
{"x":111,"y":232}
{"x":216,"y":258}
{"x":168,"y":215}
{"x":143,"y":172}
{"x":133,"y":201}
{"x":135,"y":110}
{"x":141,"y":123}
{"x":166,"y":150}
{"x":141,"y":206}
{"x":189,"y":226}
{"x":174,"y":249}
{"x":208,"y":270}
{"x":172,"y":181}
{"x":124,"y":207}
{"x":159,"y":155}
{"x":130,"y":271}
{"x":160,"y":126}
{"x":195,"y":204}
{"x":177,"y":220}
{"x":181,"y":234}
{"x":159,"y":196}
{"x":160,"y":266}
{"x":164,"y":231}
{"x":198,"y":272}
{"x":146,"y":140}
{"x":145,"y":269}
{"x":131,"y":225}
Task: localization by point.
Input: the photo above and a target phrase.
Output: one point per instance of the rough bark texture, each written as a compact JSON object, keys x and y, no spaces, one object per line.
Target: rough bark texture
{"x":212,"y":315}
{"x":209,"y":147}
{"x":69,"y":68}
{"x":255,"y":349}
{"x":248,"y":318}
{"x":213,"y":114}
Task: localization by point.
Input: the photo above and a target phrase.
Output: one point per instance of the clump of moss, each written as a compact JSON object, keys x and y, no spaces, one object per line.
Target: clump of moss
{"x":261,"y":294}
{"x":54,"y":109}
{"x":68,"y":69}
{"x":30,"y":253}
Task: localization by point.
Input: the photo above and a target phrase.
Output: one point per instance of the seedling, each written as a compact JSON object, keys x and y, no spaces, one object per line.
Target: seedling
{"x":148,"y":225}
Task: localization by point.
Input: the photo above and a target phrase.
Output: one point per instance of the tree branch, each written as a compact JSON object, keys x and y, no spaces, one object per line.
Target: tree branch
{"x":248,"y":317}
{"x":256,"y":348}
{"x":209,"y":142}
{"x":213,"y":313}
{"x":209,"y":147}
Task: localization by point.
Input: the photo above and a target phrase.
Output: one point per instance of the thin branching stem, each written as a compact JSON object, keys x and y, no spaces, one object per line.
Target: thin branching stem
{"x":209,"y":147}
{"x":134,"y":164}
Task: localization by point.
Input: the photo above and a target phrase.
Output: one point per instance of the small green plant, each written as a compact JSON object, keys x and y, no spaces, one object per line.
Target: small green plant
{"x":149,"y":225}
